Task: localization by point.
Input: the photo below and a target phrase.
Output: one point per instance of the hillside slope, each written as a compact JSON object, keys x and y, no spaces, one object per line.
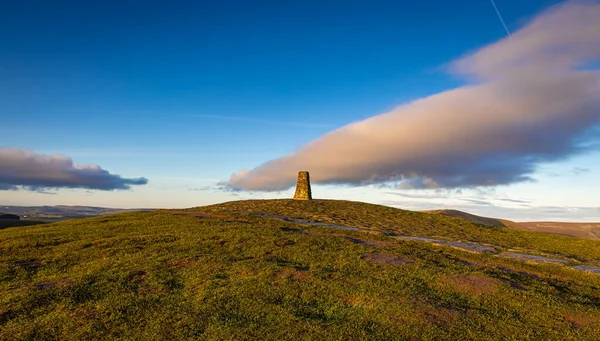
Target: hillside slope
{"x":470,"y":217}
{"x":391,"y":220}
{"x":240,"y":271}
{"x":579,"y":230}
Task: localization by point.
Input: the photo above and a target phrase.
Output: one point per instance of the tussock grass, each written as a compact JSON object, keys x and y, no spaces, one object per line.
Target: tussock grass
{"x":223,"y":275}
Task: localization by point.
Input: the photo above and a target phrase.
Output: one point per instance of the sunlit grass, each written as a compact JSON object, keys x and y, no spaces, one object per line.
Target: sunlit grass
{"x":419,"y":224}
{"x":226,"y":275}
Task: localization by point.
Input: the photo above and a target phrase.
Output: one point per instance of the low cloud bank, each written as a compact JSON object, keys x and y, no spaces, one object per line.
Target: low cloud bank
{"x":22,"y":169}
{"x":531,"y":100}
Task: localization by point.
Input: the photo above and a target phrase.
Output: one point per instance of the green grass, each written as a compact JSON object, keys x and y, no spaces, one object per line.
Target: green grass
{"x":411,"y":223}
{"x":222,"y":275}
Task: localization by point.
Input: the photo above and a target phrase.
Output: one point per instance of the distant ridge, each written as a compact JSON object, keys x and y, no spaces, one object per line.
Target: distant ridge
{"x":579,"y":230}
{"x":492,"y":222}
{"x":62,"y":212}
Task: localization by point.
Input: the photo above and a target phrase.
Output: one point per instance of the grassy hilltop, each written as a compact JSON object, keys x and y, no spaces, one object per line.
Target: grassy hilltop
{"x":222,"y":272}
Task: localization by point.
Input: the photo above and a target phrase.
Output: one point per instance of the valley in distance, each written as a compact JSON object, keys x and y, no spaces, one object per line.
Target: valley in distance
{"x":292,"y":269}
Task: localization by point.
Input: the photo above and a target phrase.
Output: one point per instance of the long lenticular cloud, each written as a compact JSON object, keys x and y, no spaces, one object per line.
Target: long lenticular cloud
{"x":22,"y":169}
{"x":531,"y":99}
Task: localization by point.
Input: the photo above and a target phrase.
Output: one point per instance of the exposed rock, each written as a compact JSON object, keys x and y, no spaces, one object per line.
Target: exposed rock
{"x":589,"y":268}
{"x":303,"y":187}
{"x":471,"y":247}
{"x":532,"y":258}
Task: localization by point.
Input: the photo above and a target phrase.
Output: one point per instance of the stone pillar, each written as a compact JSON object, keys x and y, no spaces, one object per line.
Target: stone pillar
{"x":303,"y":187}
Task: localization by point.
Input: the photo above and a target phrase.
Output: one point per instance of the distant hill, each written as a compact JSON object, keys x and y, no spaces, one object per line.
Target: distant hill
{"x":61,"y":212}
{"x":294,"y":270}
{"x":579,"y":230}
{"x":470,"y":217}
{"x":9,"y":216}
{"x":6,"y":223}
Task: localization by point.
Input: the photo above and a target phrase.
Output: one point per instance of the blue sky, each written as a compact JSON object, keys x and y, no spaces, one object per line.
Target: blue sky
{"x":186,"y":93}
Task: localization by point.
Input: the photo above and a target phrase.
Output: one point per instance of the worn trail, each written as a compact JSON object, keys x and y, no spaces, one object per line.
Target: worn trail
{"x":470,"y":247}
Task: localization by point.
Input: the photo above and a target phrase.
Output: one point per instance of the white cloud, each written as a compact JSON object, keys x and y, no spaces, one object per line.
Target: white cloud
{"x":533,"y":96}
{"x":22,"y":169}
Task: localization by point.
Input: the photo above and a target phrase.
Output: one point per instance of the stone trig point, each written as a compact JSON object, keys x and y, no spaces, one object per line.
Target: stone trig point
{"x":303,"y":187}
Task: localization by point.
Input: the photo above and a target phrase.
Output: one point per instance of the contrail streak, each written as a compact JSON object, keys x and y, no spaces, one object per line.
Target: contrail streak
{"x":500,"y":17}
